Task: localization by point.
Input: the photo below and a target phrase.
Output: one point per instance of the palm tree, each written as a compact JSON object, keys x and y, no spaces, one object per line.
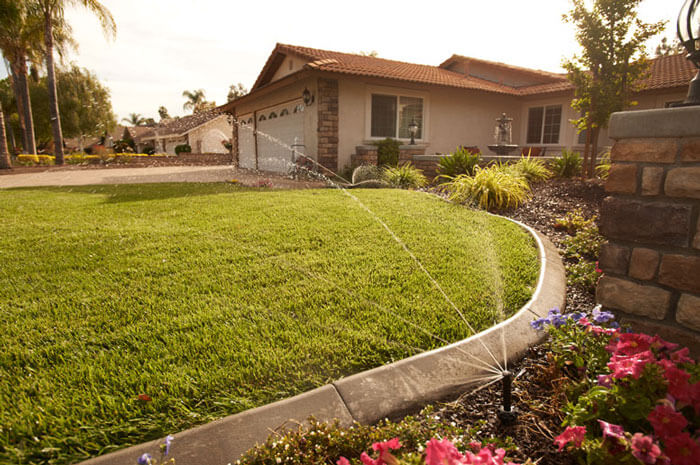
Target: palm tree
{"x":4,"y":154}
{"x":53,"y":11}
{"x":195,"y":100}
{"x":18,"y":35}
{"x":135,"y":119}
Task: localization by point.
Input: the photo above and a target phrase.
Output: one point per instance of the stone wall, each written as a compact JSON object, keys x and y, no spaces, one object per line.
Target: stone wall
{"x":651,"y":262}
{"x":367,"y":155}
{"x":328,"y":123}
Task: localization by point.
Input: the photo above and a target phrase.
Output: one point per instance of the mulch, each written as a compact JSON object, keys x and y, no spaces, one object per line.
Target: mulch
{"x":535,"y":392}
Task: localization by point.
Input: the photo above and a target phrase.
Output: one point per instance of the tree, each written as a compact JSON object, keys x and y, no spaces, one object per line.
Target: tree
{"x":135,"y":119}
{"x":163,"y":113}
{"x":665,"y":49}
{"x":373,"y":54}
{"x":53,"y":11}
{"x":196,"y":101}
{"x":4,"y":153}
{"x":235,"y":91}
{"x":611,"y":63}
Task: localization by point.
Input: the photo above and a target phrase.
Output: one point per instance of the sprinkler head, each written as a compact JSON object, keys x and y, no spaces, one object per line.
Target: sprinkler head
{"x":507,"y":415}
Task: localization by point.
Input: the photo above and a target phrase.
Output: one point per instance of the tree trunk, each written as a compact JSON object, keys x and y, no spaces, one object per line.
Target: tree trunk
{"x":4,"y":154}
{"x":51,"y":83}
{"x":594,"y":151}
{"x":9,"y":130}
{"x":586,"y":151}
{"x":18,"y":99}
{"x":26,"y":114}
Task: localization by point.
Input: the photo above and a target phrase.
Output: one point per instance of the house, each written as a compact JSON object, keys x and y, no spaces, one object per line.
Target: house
{"x":205,"y":132}
{"x":332,"y":106}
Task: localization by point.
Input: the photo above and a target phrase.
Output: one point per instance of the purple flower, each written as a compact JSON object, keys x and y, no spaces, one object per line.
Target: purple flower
{"x":577,"y":316}
{"x":554,"y":311}
{"x":601,"y":316}
{"x":558,"y":320}
{"x":168,"y":442}
{"x":540,"y":323}
{"x":145,"y":459}
{"x":605,"y":380}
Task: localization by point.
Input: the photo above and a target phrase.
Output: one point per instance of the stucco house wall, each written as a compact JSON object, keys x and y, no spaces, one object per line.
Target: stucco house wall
{"x":207,"y":138}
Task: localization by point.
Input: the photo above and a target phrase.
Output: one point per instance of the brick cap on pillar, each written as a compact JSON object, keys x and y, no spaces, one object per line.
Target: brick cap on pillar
{"x":667,"y":122}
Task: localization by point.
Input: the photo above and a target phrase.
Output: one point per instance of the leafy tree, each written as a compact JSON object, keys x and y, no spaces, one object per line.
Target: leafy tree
{"x":665,"y":48}
{"x":135,"y":119}
{"x":610,"y":65}
{"x":163,"y":113}
{"x":235,"y":91}
{"x":52,"y":12}
{"x":149,"y":122}
{"x":196,"y":101}
{"x":373,"y":53}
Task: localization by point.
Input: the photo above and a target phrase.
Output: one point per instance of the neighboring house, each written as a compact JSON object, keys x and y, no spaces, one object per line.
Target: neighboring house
{"x":119,"y":132}
{"x":204,"y":132}
{"x":333,"y":105}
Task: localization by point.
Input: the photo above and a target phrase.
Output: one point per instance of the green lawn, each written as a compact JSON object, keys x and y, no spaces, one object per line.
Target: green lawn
{"x":212,"y":299}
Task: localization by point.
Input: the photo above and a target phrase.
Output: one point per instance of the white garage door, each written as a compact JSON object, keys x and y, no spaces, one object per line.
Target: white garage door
{"x":246,"y":142}
{"x":279,"y":128}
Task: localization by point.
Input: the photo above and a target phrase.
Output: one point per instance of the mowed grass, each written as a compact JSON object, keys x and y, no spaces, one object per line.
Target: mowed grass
{"x":212,"y":299}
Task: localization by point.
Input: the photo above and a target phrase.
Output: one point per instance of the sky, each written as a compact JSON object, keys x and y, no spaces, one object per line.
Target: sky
{"x":164,"y":47}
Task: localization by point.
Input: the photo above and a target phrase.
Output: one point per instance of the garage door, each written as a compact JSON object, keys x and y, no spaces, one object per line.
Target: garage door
{"x":246,"y":142}
{"x":279,"y":128}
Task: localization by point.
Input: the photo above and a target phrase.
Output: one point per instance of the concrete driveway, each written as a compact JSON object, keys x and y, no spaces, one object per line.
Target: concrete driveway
{"x":82,"y":177}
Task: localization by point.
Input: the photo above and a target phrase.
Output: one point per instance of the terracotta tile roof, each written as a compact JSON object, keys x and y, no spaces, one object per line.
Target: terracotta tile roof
{"x":360,"y":65}
{"x":666,"y":72}
{"x":180,"y":126}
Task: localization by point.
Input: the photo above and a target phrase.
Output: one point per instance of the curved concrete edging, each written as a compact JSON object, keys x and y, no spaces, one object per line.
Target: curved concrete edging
{"x":367,"y":397}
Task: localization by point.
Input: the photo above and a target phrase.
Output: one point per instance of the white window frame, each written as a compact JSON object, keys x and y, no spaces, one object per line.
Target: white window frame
{"x":398,"y":93}
{"x":544,"y":118}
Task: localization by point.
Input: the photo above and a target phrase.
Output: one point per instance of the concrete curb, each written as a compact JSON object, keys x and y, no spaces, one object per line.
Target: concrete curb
{"x":386,"y":391}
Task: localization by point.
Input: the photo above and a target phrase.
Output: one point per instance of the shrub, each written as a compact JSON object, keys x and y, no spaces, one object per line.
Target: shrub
{"x":568,"y":165}
{"x":573,"y":221}
{"x":461,"y":161}
{"x":27,"y":159}
{"x":492,"y":188}
{"x":75,"y":159}
{"x":124,"y":146}
{"x":46,"y":160}
{"x":182,"y":148}
{"x":405,"y":176}
{"x":149,"y":150}
{"x":388,"y":152}
{"x":602,"y":170}
{"x":366,"y":173}
{"x":533,"y":169}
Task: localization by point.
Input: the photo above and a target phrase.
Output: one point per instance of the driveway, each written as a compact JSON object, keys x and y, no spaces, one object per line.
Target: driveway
{"x":82,"y":177}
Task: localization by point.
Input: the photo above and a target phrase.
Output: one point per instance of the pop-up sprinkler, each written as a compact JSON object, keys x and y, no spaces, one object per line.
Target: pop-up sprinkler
{"x":507,"y":414}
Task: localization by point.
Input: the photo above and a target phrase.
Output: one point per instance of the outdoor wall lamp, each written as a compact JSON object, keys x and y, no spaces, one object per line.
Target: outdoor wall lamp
{"x":413,"y":130}
{"x":307,"y":96}
{"x":689,"y":35}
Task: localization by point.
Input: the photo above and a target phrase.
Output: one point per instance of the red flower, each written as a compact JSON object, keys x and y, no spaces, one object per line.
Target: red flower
{"x":630,"y":344}
{"x":682,"y":450}
{"x":632,"y":365}
{"x":385,"y":457}
{"x":682,"y":356}
{"x":666,"y":421}
{"x":342,"y":461}
{"x":645,"y":449}
{"x":678,"y":385}
{"x":573,"y":434}
{"x":442,"y":453}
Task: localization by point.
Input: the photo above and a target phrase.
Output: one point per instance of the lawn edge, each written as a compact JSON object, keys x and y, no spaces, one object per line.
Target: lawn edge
{"x":386,"y":391}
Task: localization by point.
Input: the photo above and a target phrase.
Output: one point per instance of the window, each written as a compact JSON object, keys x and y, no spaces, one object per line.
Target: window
{"x":299,"y":108}
{"x":391,"y":115}
{"x":543,"y":125}
{"x":262,"y":118}
{"x":284,"y":112}
{"x":273,"y":115}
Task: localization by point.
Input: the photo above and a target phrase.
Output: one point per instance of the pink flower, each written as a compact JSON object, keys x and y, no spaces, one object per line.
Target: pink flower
{"x":342,"y":461}
{"x":630,"y":344}
{"x":678,"y":385}
{"x":682,"y":356}
{"x":486,"y":457}
{"x":632,"y":365}
{"x":645,"y":449}
{"x":666,"y":421}
{"x":385,"y":457}
{"x":573,"y":434}
{"x":682,"y":449}
{"x":611,"y":431}
{"x":659,"y":344}
{"x":442,"y":453}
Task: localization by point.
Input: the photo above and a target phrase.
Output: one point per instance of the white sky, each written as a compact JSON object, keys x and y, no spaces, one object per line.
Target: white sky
{"x":166,"y":46}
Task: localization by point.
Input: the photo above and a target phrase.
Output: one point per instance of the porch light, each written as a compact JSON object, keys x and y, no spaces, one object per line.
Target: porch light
{"x":413,"y":129}
{"x":689,"y":35}
{"x":307,"y":96}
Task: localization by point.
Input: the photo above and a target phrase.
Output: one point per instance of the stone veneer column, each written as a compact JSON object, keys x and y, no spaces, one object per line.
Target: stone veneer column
{"x":651,"y":262}
{"x":234,"y":140}
{"x":328,"y":123}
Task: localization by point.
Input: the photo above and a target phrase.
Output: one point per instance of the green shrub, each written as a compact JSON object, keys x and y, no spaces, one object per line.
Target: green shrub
{"x":573,"y":221}
{"x":533,"y":169}
{"x":495,"y":187}
{"x":182,"y":148}
{"x":568,"y":165}
{"x":603,"y":168}
{"x":405,"y":176}
{"x":149,"y":150}
{"x":585,"y":244}
{"x":27,"y":159}
{"x":461,"y":161}
{"x":388,"y":152}
{"x":366,"y":173}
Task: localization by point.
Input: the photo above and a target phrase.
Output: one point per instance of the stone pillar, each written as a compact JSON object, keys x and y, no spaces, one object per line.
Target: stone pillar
{"x":651,"y":219}
{"x":328,"y":123}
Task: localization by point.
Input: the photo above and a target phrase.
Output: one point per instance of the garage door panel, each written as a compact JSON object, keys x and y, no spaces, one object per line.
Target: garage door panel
{"x":278,"y":129}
